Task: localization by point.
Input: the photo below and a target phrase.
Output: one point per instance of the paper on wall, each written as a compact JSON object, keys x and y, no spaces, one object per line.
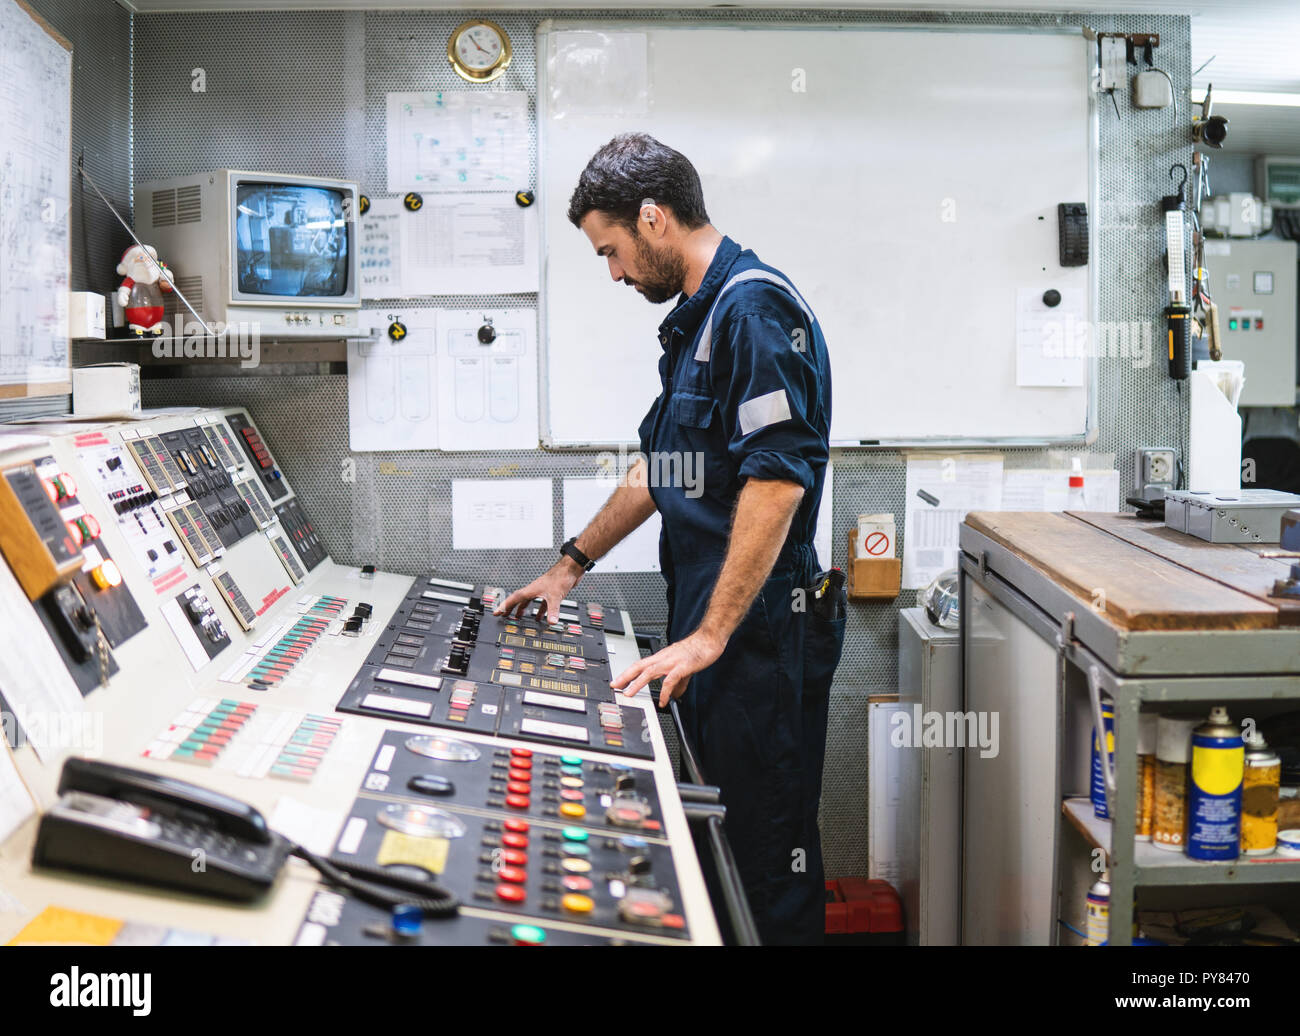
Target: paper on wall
{"x":458,"y":140}
{"x":941,"y":488}
{"x":639,"y":552}
{"x":379,"y":252}
{"x":487,"y":392}
{"x":1051,"y":341}
{"x":884,"y":791}
{"x":1042,"y":489}
{"x":392,"y":397}
{"x":501,"y":514}
{"x":469,"y":244}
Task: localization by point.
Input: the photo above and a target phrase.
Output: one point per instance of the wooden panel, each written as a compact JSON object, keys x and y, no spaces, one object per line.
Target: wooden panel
{"x":1237,"y":565}
{"x":1134,"y":588}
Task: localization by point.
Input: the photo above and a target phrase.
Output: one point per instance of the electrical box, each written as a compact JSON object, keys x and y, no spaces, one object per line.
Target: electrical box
{"x":1254,"y":285}
{"x":1278,"y":180}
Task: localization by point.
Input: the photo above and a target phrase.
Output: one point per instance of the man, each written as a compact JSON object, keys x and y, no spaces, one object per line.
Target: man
{"x":746,"y":394}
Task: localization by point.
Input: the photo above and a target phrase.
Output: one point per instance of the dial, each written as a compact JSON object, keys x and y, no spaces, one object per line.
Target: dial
{"x":479,"y":51}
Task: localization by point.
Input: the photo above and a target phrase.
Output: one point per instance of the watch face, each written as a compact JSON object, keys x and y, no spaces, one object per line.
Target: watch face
{"x":479,"y":47}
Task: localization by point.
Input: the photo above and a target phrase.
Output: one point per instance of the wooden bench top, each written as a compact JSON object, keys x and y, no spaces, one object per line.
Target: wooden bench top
{"x":1143,"y":576}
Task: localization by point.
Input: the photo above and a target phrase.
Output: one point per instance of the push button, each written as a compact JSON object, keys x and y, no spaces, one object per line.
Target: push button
{"x":578,"y":904}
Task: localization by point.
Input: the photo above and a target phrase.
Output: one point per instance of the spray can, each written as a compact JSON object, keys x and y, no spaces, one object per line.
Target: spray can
{"x":1098,"y":783}
{"x":1097,"y":926}
{"x":1259,"y":793}
{"x":1146,"y":774}
{"x":1214,"y":790}
{"x":1173,"y":752}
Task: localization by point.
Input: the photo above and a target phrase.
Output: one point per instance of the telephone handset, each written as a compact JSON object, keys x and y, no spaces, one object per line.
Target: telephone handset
{"x":127,"y":823}
{"x":142,"y":826}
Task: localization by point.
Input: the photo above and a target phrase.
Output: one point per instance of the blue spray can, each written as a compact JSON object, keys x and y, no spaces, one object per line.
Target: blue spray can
{"x":1214,"y":789}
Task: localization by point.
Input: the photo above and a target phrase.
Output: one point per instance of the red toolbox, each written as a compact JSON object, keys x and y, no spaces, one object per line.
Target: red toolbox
{"x":863,"y":912}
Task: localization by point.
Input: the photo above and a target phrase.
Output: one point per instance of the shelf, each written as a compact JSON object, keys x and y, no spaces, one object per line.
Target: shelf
{"x":270,"y":353}
{"x":1154,"y":866}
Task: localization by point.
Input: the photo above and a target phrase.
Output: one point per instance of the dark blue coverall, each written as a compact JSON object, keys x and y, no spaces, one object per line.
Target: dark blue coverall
{"x":747,"y":388}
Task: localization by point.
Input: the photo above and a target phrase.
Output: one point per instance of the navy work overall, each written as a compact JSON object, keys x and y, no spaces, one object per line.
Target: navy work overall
{"x":747,"y":394}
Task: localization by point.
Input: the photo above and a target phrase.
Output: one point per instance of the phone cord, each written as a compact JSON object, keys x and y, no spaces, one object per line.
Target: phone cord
{"x":381,"y":887}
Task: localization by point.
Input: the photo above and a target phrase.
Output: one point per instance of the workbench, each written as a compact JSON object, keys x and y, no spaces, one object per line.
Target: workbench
{"x":1058,"y":610}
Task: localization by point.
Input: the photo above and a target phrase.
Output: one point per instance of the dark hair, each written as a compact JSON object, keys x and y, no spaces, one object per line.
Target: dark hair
{"x":631,"y":168}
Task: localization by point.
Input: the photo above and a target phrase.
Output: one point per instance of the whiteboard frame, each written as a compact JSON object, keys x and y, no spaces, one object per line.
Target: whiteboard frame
{"x":549,"y":26}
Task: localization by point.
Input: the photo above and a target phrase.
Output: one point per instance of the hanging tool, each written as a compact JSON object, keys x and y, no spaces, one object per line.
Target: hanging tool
{"x":1178,"y":313}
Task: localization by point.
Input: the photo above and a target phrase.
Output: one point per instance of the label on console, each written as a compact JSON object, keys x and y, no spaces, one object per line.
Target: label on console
{"x":405,"y":706}
{"x":450,"y":598}
{"x":554,"y":701}
{"x":451,"y":583}
{"x":548,"y":729}
{"x":431,"y":683}
{"x":385,"y":758}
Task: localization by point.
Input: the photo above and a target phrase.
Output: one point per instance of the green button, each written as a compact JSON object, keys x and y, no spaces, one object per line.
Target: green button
{"x":571,"y":760}
{"x":578,"y":849}
{"x":574,"y":834}
{"x":571,"y":771}
{"x":528,"y":933}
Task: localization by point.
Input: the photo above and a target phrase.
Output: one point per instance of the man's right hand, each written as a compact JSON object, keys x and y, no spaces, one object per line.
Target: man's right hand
{"x":552,"y":588}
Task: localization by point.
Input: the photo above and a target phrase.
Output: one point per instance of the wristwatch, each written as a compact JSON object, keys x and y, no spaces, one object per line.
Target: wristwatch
{"x":570,"y":550}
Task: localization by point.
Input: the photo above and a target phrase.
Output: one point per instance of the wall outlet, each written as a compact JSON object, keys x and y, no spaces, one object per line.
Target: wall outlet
{"x":1155,"y":469}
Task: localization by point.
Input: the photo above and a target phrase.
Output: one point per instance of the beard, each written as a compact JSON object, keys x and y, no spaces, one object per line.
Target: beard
{"x":663,"y":272}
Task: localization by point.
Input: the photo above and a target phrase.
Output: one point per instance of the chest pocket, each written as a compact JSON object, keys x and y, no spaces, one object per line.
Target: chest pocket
{"x":695,"y":431}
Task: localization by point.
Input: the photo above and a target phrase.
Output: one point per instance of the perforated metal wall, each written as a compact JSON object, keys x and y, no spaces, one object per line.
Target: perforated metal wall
{"x":100,"y":34}
{"x":304,"y":92}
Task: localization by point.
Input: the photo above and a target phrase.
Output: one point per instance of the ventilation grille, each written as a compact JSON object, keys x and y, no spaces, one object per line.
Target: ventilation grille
{"x":192,"y":288}
{"x":164,"y":208}
{"x":188,"y":208}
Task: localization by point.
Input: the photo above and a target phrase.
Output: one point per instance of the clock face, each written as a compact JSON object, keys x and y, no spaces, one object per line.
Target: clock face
{"x":479,"y":50}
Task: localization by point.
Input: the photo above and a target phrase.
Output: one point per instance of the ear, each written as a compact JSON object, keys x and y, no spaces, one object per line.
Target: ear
{"x":652,"y":221}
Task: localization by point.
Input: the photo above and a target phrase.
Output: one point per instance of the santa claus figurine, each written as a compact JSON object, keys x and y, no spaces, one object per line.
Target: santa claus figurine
{"x":140,"y":294}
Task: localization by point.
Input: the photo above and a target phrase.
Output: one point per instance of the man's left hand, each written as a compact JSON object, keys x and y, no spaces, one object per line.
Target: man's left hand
{"x":675,"y":665}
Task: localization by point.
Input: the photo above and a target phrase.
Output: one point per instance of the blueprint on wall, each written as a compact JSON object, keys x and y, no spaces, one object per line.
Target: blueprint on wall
{"x":35,"y":147}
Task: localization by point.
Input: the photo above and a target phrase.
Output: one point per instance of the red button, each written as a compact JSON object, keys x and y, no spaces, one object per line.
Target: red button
{"x":511,"y":893}
{"x":673,"y":921}
{"x":571,"y":794}
{"x":518,"y":788}
{"x":576,"y":883}
{"x":517,"y":801}
{"x":515,"y":857}
{"x":515,"y":841}
{"x":518,"y":826}
{"x":514,"y":875}
{"x":519,"y":775}
{"x":521,"y":763}
{"x":521,"y":753}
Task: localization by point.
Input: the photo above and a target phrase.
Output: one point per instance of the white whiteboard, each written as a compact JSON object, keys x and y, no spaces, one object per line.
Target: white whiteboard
{"x":35,"y":128}
{"x":909,"y":190}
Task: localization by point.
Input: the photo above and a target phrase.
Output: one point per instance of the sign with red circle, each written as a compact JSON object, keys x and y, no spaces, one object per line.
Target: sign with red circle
{"x":876,"y":543}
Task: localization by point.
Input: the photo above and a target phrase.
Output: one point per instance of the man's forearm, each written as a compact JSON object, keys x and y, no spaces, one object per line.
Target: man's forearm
{"x":759,"y":527}
{"x":626,"y":509}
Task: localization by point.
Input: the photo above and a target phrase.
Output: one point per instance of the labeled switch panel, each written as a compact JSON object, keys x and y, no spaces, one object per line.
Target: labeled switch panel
{"x":302,"y":536}
{"x":210,"y":487}
{"x":268,"y":473}
{"x":288,"y":559}
{"x":203,"y":617}
{"x":243,"y":611}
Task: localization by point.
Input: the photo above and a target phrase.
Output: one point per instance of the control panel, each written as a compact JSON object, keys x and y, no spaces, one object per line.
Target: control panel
{"x":524,"y":838}
{"x":446,"y":660}
{"x":169,"y":566}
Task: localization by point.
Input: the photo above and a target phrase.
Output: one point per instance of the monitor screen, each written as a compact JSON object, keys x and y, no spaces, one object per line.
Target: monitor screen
{"x":291,"y":240}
